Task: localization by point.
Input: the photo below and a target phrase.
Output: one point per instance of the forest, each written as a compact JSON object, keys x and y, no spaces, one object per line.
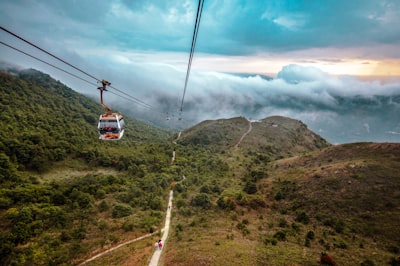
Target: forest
{"x":47,"y":215}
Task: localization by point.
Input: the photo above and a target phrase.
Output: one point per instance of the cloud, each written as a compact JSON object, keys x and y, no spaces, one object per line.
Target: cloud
{"x":143,"y":46}
{"x":296,"y":74}
{"x":343,"y":108}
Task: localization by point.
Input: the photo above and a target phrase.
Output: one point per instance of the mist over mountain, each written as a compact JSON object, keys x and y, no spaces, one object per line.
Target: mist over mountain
{"x":342,"y":109}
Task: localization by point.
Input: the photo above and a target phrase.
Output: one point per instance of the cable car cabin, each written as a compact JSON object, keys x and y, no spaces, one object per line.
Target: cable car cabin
{"x":111,"y":126}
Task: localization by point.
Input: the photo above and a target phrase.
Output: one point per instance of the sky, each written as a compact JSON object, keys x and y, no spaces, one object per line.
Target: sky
{"x":333,"y":64}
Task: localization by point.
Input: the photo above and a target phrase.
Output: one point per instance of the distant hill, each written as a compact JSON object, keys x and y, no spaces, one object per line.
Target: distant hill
{"x":273,"y":136}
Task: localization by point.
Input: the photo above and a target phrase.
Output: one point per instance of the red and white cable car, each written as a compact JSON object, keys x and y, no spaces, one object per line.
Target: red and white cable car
{"x":111,"y":125}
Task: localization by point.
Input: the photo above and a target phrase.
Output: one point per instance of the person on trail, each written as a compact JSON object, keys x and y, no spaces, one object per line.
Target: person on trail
{"x":160,"y":244}
{"x":156,"y":245}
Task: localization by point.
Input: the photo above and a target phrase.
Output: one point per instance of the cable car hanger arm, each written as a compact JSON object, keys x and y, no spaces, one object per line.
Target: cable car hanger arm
{"x":103,"y":88}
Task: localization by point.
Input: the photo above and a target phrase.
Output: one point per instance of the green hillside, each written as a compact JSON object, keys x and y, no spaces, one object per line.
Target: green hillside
{"x":63,"y":192}
{"x":343,"y":200}
{"x":273,"y":137}
{"x":268,"y":192}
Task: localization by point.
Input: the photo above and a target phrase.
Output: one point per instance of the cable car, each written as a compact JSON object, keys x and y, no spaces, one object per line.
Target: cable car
{"x":111,"y":125}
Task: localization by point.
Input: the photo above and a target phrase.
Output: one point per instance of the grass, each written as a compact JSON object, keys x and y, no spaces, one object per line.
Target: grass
{"x":336,"y":187}
{"x":349,"y":193}
{"x":134,"y":254}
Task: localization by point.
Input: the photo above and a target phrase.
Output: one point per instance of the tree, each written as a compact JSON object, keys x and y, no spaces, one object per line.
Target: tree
{"x":121,"y":210}
{"x":201,"y":200}
{"x":7,"y":169}
{"x":250,"y":187}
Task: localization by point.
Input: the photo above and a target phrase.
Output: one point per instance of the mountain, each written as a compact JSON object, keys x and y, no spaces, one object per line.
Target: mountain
{"x":259,"y":192}
{"x":273,"y":136}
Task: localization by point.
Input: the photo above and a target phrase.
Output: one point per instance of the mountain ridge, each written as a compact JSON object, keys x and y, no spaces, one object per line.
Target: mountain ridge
{"x":276,"y":136}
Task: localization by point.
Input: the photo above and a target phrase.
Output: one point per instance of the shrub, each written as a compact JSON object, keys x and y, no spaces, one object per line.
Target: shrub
{"x":280,"y":235}
{"x":339,"y":226}
{"x":342,"y":245}
{"x":302,"y":217}
{"x":128,"y":226}
{"x":205,"y":189}
{"x":79,"y":233}
{"x":226,"y":203}
{"x":367,"y":262}
{"x":393,"y":249}
{"x":240,"y":226}
{"x":256,"y":202}
{"x":103,"y":206}
{"x":121,"y":210}
{"x":310,"y":235}
{"x":395,"y":261}
{"x":250,"y":187}
{"x":279,"y":196}
{"x":295,"y":227}
{"x":179,"y":227}
{"x":283,"y":223}
{"x":201,"y":200}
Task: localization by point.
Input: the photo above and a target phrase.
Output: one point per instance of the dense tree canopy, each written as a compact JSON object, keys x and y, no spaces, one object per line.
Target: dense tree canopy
{"x":49,"y":128}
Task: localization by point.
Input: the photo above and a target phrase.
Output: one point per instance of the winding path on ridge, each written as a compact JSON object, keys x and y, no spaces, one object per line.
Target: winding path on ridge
{"x":244,"y":135}
{"x":116,"y":247}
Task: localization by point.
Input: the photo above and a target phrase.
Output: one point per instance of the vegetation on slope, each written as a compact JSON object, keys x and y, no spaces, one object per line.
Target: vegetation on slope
{"x":341,"y":200}
{"x":65,"y":196}
{"x":272,"y":137}
{"x":63,"y":192}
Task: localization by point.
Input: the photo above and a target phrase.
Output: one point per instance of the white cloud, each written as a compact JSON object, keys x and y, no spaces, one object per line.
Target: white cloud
{"x":291,"y":22}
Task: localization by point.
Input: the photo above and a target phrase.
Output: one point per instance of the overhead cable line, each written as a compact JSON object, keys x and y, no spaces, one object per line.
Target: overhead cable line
{"x":44,"y":51}
{"x":133,"y":99}
{"x":47,"y":63}
{"x":128,"y":99}
{"x":75,"y":76}
{"x":136,"y":99}
{"x":194,"y":38}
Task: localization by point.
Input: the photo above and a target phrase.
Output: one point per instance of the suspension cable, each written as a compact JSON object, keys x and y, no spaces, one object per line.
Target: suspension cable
{"x":34,"y":57}
{"x":75,"y":76}
{"x":194,"y":38}
{"x":43,"y":50}
{"x":133,"y":99}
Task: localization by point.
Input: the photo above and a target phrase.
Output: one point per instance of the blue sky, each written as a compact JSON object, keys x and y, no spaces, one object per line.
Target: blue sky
{"x":335,"y":63}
